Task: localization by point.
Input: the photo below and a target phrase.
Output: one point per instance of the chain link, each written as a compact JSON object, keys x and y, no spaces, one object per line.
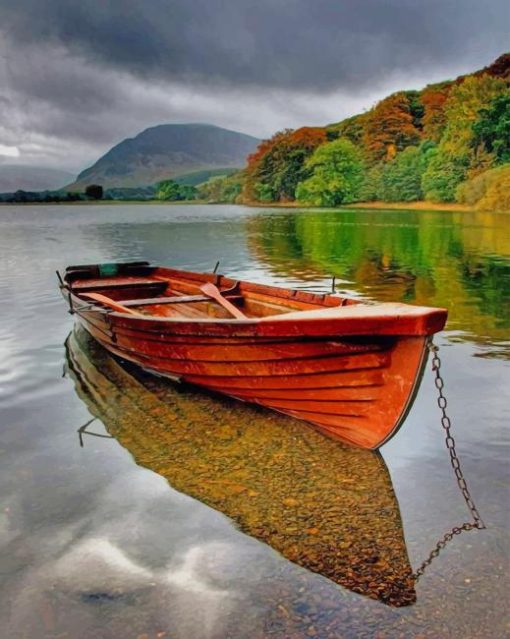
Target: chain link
{"x":477,"y":523}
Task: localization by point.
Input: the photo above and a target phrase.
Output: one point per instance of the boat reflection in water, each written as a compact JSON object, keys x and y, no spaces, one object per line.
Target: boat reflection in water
{"x":325,"y":506}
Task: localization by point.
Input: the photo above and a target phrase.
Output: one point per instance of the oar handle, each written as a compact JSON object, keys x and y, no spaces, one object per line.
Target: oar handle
{"x":107,"y":301}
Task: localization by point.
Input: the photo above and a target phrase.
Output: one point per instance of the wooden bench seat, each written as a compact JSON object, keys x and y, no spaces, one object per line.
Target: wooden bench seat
{"x":117,"y":283}
{"x":176,"y":299}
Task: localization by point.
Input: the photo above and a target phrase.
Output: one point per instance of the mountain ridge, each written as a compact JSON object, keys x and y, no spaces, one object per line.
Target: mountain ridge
{"x":166,"y":151}
{"x":15,"y":177}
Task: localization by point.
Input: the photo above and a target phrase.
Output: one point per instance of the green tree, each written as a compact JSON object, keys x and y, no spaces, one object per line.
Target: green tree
{"x":443,"y":174}
{"x":462,"y":108}
{"x":187,"y":192}
{"x":221,"y":189}
{"x":487,"y":191}
{"x":372,"y":186}
{"x":402,"y":177}
{"x":279,"y":164}
{"x":492,"y":129}
{"x":456,"y":157}
{"x":172,"y":192}
{"x":337,"y":175}
{"x":168,"y":190}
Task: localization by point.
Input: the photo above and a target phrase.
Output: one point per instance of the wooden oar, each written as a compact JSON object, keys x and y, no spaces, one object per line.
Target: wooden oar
{"x":107,"y":301}
{"x":213,"y":292}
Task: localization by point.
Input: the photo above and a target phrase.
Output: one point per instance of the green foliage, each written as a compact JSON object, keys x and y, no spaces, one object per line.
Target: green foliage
{"x":337,"y":175}
{"x":282,"y":172}
{"x":401,"y":178}
{"x":443,"y":174}
{"x":398,"y":180}
{"x":492,"y":129}
{"x":462,"y":108}
{"x":332,"y":134}
{"x":351,"y":128}
{"x":488,"y":191}
{"x":199,"y":177}
{"x":170,"y":191}
{"x":94,"y":191}
{"x":188,"y":192}
{"x":456,"y":155}
{"x":22,"y":197}
{"x":136,"y":194}
{"x":264,"y":192}
{"x":372,"y":186}
{"x":221,"y":189}
{"x":416,"y":108}
{"x":279,"y":164}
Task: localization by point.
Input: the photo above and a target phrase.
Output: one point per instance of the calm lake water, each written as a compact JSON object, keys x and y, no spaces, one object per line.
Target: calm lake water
{"x":156,"y":529}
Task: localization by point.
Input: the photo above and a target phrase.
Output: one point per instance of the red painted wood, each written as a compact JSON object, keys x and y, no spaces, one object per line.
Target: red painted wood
{"x":349,"y":368}
{"x":212,"y":291}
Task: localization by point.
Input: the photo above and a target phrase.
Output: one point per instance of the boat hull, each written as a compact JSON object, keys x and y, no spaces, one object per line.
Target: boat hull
{"x":350,"y":369}
{"x":358,"y":391}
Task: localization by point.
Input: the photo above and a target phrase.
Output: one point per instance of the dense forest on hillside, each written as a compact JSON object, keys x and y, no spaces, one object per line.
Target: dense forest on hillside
{"x":449,"y":142}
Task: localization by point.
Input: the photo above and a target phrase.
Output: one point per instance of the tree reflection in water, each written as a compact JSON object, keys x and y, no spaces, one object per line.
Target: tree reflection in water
{"x":458,"y":261}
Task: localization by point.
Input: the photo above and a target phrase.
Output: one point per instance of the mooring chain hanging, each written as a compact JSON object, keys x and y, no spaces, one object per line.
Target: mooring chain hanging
{"x":477,"y":523}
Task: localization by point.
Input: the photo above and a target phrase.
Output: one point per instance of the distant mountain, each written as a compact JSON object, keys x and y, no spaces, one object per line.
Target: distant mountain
{"x":167,"y":151}
{"x":14,"y":177}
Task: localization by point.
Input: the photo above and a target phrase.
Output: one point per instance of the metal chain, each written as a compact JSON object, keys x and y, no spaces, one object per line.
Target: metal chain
{"x":477,"y":523}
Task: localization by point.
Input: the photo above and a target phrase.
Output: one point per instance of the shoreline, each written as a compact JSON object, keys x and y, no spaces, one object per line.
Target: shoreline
{"x":381,"y":206}
{"x":413,"y":206}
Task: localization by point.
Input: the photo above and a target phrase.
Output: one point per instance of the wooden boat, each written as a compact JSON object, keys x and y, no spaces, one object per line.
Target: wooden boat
{"x":328,"y":507}
{"x":349,"y":368}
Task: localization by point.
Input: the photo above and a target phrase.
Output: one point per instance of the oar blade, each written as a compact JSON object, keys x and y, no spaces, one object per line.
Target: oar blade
{"x":213,"y":292}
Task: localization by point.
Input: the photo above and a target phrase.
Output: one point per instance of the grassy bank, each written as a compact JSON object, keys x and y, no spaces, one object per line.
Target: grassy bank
{"x":412,"y":206}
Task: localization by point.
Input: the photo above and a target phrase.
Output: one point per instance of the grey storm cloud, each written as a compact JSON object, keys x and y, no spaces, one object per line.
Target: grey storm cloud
{"x":77,"y":77}
{"x":312,"y":44}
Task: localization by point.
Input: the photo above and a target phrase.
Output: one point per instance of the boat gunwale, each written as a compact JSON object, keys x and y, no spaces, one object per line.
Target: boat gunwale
{"x":396,"y":324}
{"x":380,"y":313}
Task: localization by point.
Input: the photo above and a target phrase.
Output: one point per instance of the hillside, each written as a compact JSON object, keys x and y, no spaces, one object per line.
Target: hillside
{"x":167,"y":151}
{"x":14,"y":177}
{"x":449,"y":142}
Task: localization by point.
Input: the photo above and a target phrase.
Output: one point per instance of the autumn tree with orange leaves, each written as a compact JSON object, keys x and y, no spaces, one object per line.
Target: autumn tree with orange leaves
{"x":390,"y":127}
{"x":278,"y":164}
{"x":433,"y":99}
{"x":413,"y":144}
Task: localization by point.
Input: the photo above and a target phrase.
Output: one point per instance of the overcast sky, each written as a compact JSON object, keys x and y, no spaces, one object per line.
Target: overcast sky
{"x":78,"y":76}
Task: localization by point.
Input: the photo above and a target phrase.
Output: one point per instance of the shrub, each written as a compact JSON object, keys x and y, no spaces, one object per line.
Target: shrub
{"x":489,"y":191}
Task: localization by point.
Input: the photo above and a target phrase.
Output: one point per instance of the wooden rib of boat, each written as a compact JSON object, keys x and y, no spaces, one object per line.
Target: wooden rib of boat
{"x":349,"y":368}
{"x":328,"y":507}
